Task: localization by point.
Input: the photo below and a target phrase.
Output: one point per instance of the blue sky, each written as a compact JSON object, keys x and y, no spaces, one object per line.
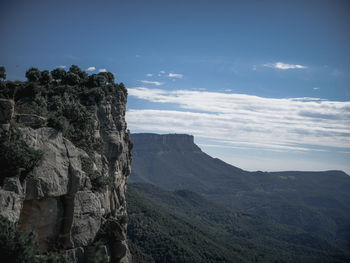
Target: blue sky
{"x":263,"y":85}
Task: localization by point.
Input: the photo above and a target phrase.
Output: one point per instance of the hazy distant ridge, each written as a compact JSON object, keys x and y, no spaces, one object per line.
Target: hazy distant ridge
{"x":317,"y":202}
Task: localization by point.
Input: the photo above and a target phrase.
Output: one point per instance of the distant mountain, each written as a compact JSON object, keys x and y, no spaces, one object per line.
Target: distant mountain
{"x":317,"y":202}
{"x":183,"y":226}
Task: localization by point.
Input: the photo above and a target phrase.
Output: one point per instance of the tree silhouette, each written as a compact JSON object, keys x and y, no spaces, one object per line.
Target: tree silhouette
{"x":2,"y":73}
{"x":33,"y":75}
{"x":58,"y":74}
{"x":45,"y":77}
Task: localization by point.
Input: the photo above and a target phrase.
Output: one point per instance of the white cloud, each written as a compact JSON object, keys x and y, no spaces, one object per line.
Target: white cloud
{"x":161,"y":73}
{"x":91,"y":69}
{"x":102,"y":70}
{"x":284,"y":66}
{"x":62,"y":66}
{"x":149,"y":75}
{"x":316,"y":88}
{"x":293,"y":124}
{"x":157,"y":83}
{"x":174,"y":75}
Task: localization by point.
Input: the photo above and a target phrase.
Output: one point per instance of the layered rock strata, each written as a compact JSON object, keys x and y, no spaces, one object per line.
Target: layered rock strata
{"x":56,"y":201}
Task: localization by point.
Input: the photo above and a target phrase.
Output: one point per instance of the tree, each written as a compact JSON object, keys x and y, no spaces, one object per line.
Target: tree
{"x":72,"y":78}
{"x":105,"y":77}
{"x":33,"y":75}
{"x":110,"y":77}
{"x":76,"y":70}
{"x":58,"y":74}
{"x":2,"y":72}
{"x":46,"y":77}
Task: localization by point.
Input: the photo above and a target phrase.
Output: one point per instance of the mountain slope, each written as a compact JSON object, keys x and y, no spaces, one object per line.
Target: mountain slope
{"x":317,"y":202}
{"x":170,"y":238}
{"x":183,"y":226}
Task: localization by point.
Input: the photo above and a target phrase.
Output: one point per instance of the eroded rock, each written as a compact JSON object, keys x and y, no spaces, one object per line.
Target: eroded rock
{"x":56,"y":200}
{"x":87,"y":218}
{"x":60,"y":172}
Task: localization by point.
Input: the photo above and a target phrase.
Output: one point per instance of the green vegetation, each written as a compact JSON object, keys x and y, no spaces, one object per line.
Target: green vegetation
{"x":183,"y":226}
{"x":18,"y":247}
{"x":16,"y":157}
{"x":2,"y":72}
{"x":66,"y":99}
{"x":316,"y":202}
{"x":169,"y":238}
{"x":98,"y":181}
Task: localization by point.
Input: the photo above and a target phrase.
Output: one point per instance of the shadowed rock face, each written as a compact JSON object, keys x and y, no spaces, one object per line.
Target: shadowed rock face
{"x":57,"y":201}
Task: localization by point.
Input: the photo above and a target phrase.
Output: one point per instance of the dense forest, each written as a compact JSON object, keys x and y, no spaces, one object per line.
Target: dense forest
{"x":183,"y":226}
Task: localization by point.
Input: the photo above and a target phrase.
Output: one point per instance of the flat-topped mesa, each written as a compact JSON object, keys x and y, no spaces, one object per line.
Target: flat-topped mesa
{"x":164,"y":142}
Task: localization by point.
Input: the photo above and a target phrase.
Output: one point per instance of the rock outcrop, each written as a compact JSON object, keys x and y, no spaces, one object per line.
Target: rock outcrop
{"x":57,"y":200}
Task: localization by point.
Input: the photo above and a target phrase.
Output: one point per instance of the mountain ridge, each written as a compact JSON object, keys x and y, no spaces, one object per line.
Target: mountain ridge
{"x":318,"y":202}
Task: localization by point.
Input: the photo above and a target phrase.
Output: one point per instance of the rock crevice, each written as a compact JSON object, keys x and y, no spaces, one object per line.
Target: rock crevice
{"x":57,"y":200}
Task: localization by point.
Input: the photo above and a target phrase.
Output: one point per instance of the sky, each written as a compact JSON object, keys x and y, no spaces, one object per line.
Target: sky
{"x":262,"y":85}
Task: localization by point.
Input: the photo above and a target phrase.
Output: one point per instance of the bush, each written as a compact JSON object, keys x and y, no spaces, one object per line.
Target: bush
{"x":19,"y":247}
{"x":46,"y":77}
{"x":16,"y":246}
{"x":98,"y":180}
{"x":58,"y":74}
{"x":33,"y":75}
{"x":16,"y":157}
{"x":72,"y":79}
{"x":2,"y":73}
{"x":75,"y":121}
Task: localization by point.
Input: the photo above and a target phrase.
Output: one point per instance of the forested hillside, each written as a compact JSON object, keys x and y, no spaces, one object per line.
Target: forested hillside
{"x":183,"y":226}
{"x":317,"y":202}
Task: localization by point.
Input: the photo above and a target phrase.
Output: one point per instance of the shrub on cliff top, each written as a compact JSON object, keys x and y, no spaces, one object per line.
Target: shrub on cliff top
{"x":67,"y":99}
{"x":33,"y":75}
{"x":2,"y":73}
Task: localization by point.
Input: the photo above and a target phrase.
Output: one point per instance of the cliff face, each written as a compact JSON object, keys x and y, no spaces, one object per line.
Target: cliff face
{"x":57,"y":199}
{"x":165,"y":142}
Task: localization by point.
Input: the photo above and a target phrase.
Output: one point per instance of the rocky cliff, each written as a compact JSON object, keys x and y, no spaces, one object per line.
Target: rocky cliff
{"x":74,"y":200}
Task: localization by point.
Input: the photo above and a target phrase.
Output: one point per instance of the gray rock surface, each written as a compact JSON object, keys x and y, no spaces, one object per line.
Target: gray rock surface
{"x":11,"y":199}
{"x":87,"y":218}
{"x":44,"y":217}
{"x":10,"y":205}
{"x":56,"y":200}
{"x":60,"y":173}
